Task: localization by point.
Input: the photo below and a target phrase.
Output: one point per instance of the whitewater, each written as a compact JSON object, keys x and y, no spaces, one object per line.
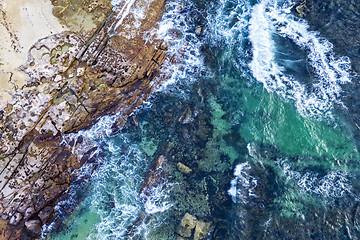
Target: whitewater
{"x":254,"y":108}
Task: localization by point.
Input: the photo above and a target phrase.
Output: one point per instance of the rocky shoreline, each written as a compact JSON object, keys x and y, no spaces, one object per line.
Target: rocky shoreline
{"x":95,"y":62}
{"x":74,"y":78}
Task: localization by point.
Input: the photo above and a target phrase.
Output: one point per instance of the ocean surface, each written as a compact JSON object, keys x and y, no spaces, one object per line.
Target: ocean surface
{"x":257,"y":108}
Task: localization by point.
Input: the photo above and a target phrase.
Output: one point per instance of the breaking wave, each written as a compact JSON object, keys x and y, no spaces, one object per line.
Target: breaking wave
{"x":334,"y":184}
{"x":114,"y":197}
{"x":185,"y":63}
{"x":270,"y":18}
{"x":243,"y":184}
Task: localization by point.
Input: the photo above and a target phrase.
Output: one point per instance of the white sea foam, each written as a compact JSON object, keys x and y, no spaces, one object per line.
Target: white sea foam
{"x":157,"y":201}
{"x":332,"y":185}
{"x":243,"y":184}
{"x":119,"y":179}
{"x":229,"y":29}
{"x":116,"y":183}
{"x":114,"y":192}
{"x":114,"y":195}
{"x":175,"y":30}
{"x":269,"y":17}
{"x":229,"y":22}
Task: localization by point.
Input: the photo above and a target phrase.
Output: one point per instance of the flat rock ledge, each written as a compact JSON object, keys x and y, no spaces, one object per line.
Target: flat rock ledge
{"x":73,"y":80}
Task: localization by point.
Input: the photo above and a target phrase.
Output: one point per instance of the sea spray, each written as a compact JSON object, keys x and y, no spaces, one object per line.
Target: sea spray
{"x":229,"y":29}
{"x":186,"y":63}
{"x":330,"y":72}
{"x":332,"y":185}
{"x":113,"y":198}
{"x":266,"y":198}
{"x":243,"y":185}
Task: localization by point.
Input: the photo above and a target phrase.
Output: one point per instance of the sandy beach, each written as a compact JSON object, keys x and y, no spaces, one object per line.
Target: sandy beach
{"x":22,"y":23}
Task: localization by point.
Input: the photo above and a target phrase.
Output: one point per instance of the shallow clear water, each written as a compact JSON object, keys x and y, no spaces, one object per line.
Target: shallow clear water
{"x":256,"y":110}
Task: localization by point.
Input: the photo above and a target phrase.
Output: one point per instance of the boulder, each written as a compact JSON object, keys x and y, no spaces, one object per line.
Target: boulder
{"x":187,"y":224}
{"x":15,"y":219}
{"x":45,"y":213}
{"x":33,"y":226}
{"x":201,"y":230}
{"x":28,"y":213}
{"x":183,"y":168}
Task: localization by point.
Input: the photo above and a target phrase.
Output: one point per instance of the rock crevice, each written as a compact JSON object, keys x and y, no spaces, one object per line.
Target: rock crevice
{"x":72,"y":82}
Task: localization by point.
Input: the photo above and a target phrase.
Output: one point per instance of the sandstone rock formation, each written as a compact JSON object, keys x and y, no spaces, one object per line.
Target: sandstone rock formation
{"x":108,"y":66}
{"x":183,"y":168}
{"x":188,"y":224}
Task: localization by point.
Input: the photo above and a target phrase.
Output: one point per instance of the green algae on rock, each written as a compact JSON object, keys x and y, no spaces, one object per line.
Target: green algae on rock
{"x":82,"y":15}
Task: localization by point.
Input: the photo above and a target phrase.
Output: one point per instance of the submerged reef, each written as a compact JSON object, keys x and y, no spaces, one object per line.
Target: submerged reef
{"x":99,"y":66}
{"x":86,"y":59}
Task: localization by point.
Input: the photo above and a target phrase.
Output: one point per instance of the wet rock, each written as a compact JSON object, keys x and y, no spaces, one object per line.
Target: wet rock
{"x":154,"y":177}
{"x":186,"y":117}
{"x":119,"y":124}
{"x":15,"y":219}
{"x":28,"y":213}
{"x":33,"y":226}
{"x":180,"y":238}
{"x":198,"y":31}
{"x":188,"y":223}
{"x":73,"y":81}
{"x":183,"y":168}
{"x":201,"y":230}
{"x":164,"y":46}
{"x":45,"y":213}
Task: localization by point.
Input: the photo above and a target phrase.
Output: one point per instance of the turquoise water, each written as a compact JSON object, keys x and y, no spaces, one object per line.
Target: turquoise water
{"x":255,"y":110}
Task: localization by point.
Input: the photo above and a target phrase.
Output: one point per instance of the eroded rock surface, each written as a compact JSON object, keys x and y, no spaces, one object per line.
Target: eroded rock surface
{"x":187,"y":225}
{"x":72,"y":82}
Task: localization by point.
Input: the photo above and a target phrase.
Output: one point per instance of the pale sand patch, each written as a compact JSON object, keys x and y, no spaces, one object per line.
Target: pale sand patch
{"x":22,"y":23}
{"x":81,"y":22}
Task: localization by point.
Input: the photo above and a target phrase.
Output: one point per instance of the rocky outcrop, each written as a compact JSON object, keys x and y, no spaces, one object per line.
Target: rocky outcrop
{"x":187,"y":224}
{"x":190,"y":225}
{"x":72,"y":82}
